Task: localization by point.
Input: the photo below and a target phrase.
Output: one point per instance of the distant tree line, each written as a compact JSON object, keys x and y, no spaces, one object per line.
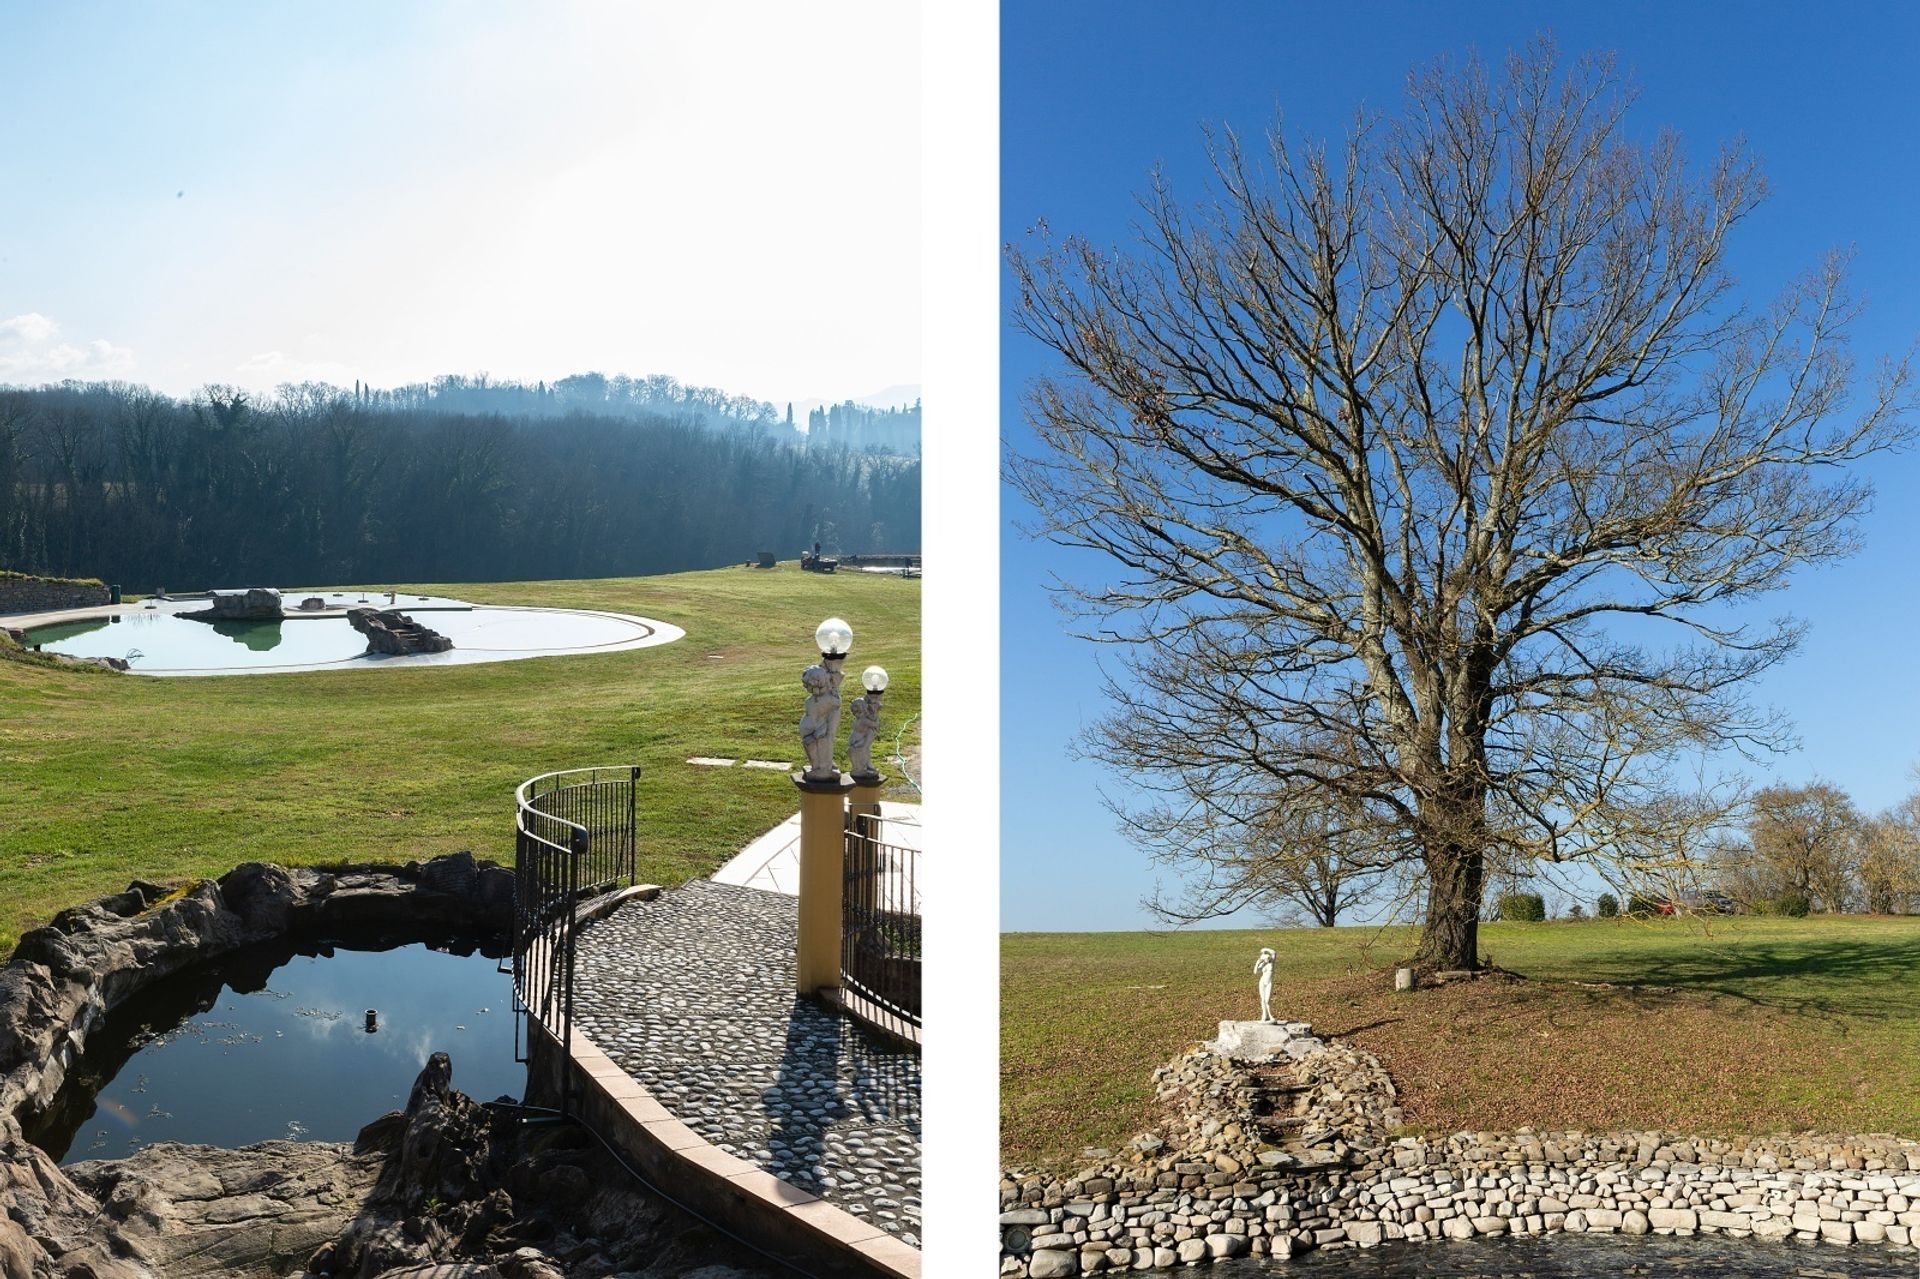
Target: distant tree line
{"x":865,"y":429}
{"x":1785,"y":849}
{"x":319,"y":485}
{"x":1810,"y":847}
{"x":597,"y":393}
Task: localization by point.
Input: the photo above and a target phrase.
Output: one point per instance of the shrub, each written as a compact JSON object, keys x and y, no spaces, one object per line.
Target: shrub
{"x":1523,"y":908}
{"x":1638,"y":905}
{"x":1576,"y":911}
{"x":1607,"y":907}
{"x":1793,"y":904}
{"x":10,"y":575}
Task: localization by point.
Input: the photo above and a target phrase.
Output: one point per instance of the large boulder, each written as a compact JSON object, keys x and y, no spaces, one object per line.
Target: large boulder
{"x":198,"y":1210}
{"x":395,"y":634}
{"x":255,"y":604}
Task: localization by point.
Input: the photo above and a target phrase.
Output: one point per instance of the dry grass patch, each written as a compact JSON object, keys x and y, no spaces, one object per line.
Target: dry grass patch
{"x":1748,"y":1026}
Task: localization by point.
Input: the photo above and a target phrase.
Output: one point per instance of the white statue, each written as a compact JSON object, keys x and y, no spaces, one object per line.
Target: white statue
{"x":1264,"y":966}
{"x":818,"y":724}
{"x":866,"y":726}
{"x":834,"y":667}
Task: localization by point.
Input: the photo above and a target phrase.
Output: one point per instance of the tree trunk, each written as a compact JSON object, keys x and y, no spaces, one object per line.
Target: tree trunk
{"x":1450,"y":937}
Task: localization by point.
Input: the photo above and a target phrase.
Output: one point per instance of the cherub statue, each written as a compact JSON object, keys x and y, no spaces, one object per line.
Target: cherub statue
{"x":1264,"y":966}
{"x":817,"y":725}
{"x":866,"y":726}
{"x":835,"y":673}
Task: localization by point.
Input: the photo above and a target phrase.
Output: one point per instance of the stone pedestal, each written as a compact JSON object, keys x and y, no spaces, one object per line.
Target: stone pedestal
{"x":1262,"y":1040}
{"x":823,"y":851}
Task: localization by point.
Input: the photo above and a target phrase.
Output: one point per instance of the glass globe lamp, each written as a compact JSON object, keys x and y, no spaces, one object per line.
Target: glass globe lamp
{"x":834,"y":637}
{"x":874,"y":679}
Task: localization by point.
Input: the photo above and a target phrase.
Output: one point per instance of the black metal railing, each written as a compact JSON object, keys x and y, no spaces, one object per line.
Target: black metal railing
{"x":880,"y":923}
{"x":574,"y":838}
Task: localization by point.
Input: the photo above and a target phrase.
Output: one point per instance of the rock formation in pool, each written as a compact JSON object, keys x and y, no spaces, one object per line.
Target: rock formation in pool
{"x":396,"y":634}
{"x":255,"y":604}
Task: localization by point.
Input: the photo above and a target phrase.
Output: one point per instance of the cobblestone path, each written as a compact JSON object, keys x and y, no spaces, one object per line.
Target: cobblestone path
{"x":693,"y":994}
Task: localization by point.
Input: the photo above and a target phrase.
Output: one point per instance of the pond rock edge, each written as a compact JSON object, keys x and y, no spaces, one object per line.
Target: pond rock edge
{"x":64,"y":979}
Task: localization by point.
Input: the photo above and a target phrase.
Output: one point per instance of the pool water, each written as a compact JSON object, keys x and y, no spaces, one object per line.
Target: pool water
{"x":159,"y":642}
{"x":272,"y":1043}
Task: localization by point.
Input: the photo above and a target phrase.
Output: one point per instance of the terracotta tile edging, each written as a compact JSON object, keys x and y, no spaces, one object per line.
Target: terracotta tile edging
{"x":774,"y":1213}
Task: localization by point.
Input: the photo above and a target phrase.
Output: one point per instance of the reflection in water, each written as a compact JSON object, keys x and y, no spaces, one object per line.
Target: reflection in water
{"x":65,"y":631}
{"x":1588,"y":1257}
{"x":256,"y":637}
{"x":271,"y":1043}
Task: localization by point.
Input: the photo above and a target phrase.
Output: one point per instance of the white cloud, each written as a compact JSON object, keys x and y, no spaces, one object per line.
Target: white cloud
{"x":31,"y":327}
{"x":31,"y":352}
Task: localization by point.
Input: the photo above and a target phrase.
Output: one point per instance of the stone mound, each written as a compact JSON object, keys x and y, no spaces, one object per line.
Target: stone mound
{"x":395,"y":634}
{"x":255,"y":604}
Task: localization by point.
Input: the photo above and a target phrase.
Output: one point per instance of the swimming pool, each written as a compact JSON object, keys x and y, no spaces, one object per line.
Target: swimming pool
{"x":158,"y":641}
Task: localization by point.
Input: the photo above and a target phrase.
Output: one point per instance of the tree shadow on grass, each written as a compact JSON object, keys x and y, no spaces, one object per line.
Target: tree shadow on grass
{"x":1835,"y":981}
{"x":1363,"y":1027}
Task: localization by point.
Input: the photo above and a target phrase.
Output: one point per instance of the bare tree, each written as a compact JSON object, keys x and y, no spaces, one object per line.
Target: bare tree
{"x":1889,"y":867}
{"x":1804,"y":841}
{"x":1287,"y":862}
{"x":1409,"y":459}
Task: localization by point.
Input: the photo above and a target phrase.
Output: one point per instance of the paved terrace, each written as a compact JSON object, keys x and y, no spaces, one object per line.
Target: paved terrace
{"x":772,"y":861}
{"x":693,"y":994}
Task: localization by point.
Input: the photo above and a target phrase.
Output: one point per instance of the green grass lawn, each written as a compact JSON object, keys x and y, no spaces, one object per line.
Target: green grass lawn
{"x":105,"y":778}
{"x":1739,"y":1026}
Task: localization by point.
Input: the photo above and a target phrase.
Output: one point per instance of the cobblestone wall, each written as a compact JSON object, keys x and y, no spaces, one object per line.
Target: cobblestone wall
{"x":1183,"y":1201}
{"x":42,"y":595}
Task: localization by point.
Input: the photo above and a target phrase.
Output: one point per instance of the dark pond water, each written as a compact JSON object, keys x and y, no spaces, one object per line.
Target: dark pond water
{"x":273,"y":1043}
{"x":1588,"y":1257}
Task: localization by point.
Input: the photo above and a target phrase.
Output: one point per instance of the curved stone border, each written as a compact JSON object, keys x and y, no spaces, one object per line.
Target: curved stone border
{"x":779,"y":1216}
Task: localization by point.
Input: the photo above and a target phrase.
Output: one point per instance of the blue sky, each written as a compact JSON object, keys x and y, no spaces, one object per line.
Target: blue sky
{"x":196,"y":192}
{"x":1094,"y":94}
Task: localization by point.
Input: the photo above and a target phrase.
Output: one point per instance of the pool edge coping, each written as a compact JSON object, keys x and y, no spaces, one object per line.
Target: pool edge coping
{"x":719,"y":1182}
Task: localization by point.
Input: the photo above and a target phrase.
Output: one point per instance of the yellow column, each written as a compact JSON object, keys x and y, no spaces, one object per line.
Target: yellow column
{"x":823,"y":848}
{"x":865,"y":797}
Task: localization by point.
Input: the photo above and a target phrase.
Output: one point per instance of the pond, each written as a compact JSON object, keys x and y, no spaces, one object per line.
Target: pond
{"x":272,"y":1042}
{"x":157,"y":641}
{"x":1588,"y":1257}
